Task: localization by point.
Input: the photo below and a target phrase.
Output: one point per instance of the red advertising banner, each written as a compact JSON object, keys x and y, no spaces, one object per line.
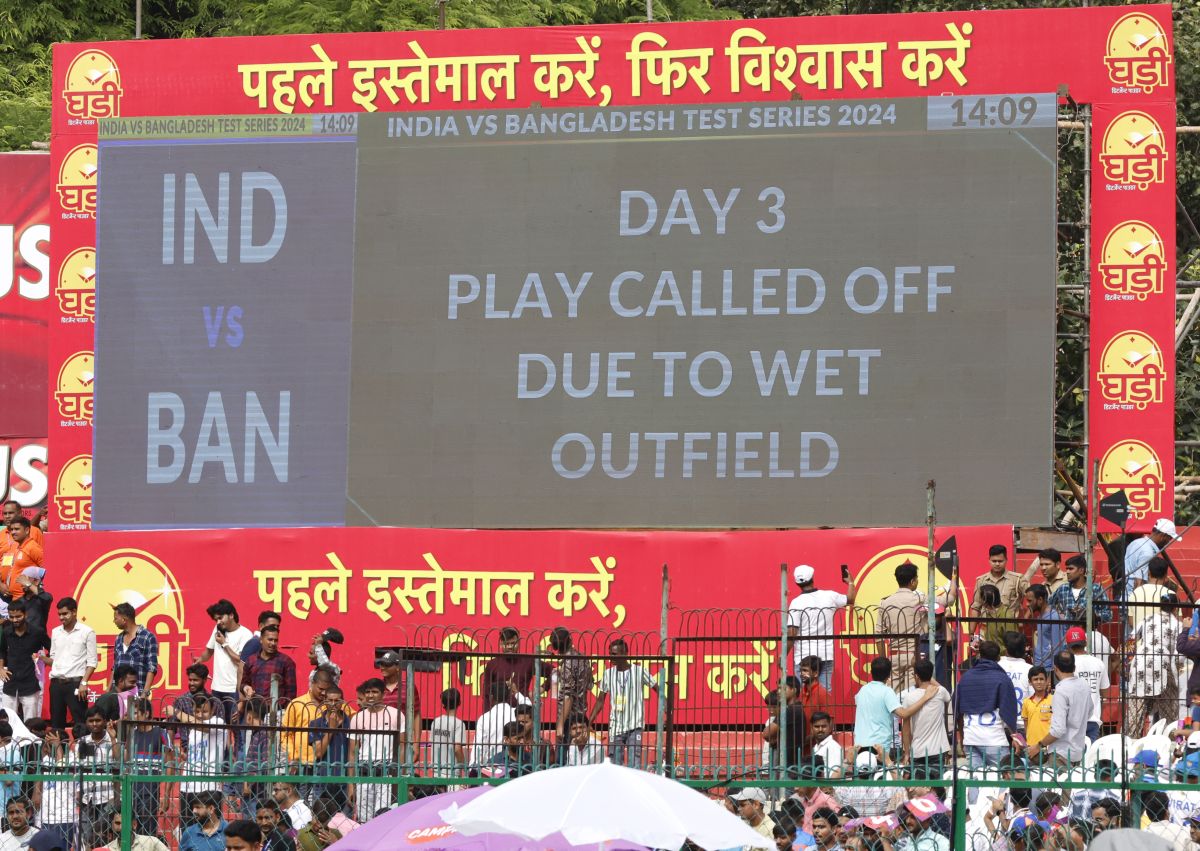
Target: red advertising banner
{"x":1132,"y":401}
{"x":24,"y":309}
{"x":1117,"y":58}
{"x":398,"y":587}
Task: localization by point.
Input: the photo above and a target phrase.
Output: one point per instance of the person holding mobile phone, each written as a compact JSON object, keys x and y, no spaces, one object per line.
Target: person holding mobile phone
{"x":810,"y":620}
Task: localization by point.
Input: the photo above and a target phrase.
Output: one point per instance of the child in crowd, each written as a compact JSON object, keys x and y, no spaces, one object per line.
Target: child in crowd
{"x":448,"y":737}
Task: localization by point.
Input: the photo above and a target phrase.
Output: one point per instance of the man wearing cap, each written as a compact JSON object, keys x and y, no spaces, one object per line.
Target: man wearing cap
{"x":750,"y":803}
{"x":1185,"y":803}
{"x":1009,"y":583}
{"x":811,"y":613}
{"x":1092,"y":671}
{"x":1139,"y":553}
{"x":395,"y":695}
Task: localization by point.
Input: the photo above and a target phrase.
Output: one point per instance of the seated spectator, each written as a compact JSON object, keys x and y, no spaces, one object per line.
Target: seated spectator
{"x":1157,"y":812}
{"x":327,"y":826}
{"x":825,"y":829}
{"x":243,"y":835}
{"x":514,"y":760}
{"x":751,"y":803}
{"x":812,"y":799}
{"x":138,"y":841}
{"x":1106,"y":814}
{"x":825,"y":747}
{"x":919,"y":833}
{"x":270,"y":823}
{"x":207,"y":831}
{"x":585,"y":747}
{"x":19,"y":812}
{"x":294,"y":809}
{"x":783,"y":839}
{"x":114,"y":703}
{"x":865,"y":797}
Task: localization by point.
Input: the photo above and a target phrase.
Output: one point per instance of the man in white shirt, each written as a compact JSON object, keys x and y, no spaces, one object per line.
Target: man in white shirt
{"x":585,"y":747}
{"x":825,"y":746}
{"x":225,"y":649}
{"x":924,"y":734}
{"x":1092,"y":670}
{"x":73,"y":657}
{"x":1145,"y":598}
{"x":376,"y":740}
{"x":1013,"y":663}
{"x":811,"y":613}
{"x":19,"y":811}
{"x":489,"y":727}
{"x":292,"y":805}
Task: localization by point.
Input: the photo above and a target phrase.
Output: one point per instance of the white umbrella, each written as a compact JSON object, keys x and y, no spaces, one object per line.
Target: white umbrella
{"x":592,"y":804}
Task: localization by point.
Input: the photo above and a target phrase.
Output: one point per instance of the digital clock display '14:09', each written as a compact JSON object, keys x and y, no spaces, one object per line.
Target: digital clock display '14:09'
{"x":992,"y":111}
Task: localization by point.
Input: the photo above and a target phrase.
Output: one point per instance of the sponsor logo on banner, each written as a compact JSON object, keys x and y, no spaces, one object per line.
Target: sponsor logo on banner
{"x":76,"y":380}
{"x":146,"y":583}
{"x":1132,"y":261}
{"x":76,"y":289}
{"x":73,"y":496}
{"x":875,"y":581}
{"x":93,"y":87}
{"x":1136,"y":54}
{"x":1133,"y":152}
{"x":76,"y":185}
{"x":1132,"y":466}
{"x":1132,"y":371}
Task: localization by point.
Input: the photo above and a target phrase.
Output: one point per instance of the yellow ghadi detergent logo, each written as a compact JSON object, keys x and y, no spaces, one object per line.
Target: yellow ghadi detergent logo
{"x":76,"y":185}
{"x":1132,"y":370}
{"x":93,"y":86}
{"x":76,"y":290}
{"x":143,"y":581}
{"x":1132,"y":261}
{"x":73,"y":498}
{"x":76,"y":380}
{"x":1134,"y":151}
{"x":1136,"y":53}
{"x":1132,"y":466}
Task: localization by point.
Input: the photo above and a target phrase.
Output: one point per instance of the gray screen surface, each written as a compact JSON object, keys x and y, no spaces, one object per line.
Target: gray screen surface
{"x":753,"y":316}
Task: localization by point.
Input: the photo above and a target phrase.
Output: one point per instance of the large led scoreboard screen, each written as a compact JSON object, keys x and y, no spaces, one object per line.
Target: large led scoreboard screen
{"x":754,"y":314}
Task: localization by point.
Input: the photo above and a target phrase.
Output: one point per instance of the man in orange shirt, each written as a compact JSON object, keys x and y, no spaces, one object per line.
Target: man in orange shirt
{"x":23,"y":552}
{"x":10,"y":511}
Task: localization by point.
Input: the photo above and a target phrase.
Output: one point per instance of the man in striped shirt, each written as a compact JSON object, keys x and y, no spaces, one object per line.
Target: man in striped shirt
{"x":624,"y":683}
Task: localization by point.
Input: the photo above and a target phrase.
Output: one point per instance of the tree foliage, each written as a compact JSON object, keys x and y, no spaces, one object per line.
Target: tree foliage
{"x":27,"y":28}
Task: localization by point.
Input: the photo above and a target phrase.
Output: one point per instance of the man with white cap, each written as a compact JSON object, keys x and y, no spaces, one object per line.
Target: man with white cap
{"x":1139,"y":553}
{"x":750,"y":803}
{"x":811,"y":613}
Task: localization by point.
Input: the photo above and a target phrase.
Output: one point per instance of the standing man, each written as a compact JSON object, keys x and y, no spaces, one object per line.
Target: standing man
{"x":19,"y":647}
{"x":267,"y":665}
{"x":265,"y":618}
{"x":134,"y":645}
{"x":985,"y":705}
{"x":1146,"y":597}
{"x":373,"y":732}
{"x":1013,"y":663}
{"x":225,"y":649}
{"x":811,"y":613}
{"x":574,"y":682}
{"x":1139,"y":553}
{"x":1009,"y":583}
{"x":73,"y":658}
{"x":1047,"y":637}
{"x":1092,"y":671}
{"x":1071,"y":598}
{"x":1067,"y":739}
{"x":624,"y":683}
{"x":924,"y":734}
{"x":876,"y":708}
{"x":10,"y":512}
{"x":1049,"y":561}
{"x":395,"y":695}
{"x":508,"y":666}
{"x":23,"y":552}
{"x":900,"y":615}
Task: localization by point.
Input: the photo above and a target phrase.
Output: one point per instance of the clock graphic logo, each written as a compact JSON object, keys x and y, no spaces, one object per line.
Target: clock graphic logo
{"x":1137,"y":54}
{"x":1132,"y":466}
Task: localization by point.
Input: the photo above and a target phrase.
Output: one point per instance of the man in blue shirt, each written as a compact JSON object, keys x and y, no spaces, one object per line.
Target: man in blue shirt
{"x":207,"y":833}
{"x":877,"y":707}
{"x":1071,"y":599}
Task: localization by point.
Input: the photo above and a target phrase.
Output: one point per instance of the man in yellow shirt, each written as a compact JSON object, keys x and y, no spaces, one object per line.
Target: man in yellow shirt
{"x":1038,"y":707}
{"x":300,"y":713}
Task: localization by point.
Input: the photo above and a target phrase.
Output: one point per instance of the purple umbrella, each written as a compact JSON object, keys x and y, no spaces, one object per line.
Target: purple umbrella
{"x":417,"y":825}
